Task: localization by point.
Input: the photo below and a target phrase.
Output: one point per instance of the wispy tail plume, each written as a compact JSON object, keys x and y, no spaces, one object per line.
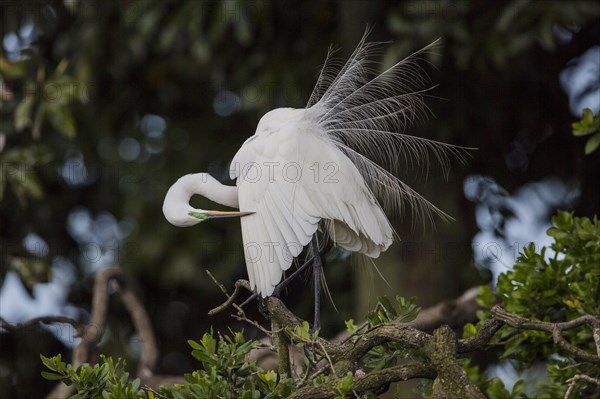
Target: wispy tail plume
{"x":365,"y":113}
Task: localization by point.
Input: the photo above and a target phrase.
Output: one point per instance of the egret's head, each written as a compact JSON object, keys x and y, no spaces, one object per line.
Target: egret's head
{"x":179,"y":212}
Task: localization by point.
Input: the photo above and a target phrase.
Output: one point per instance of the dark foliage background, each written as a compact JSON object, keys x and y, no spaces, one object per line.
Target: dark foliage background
{"x":105,"y":103}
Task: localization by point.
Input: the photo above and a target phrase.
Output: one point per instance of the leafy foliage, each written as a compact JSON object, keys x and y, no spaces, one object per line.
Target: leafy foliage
{"x":225,"y":373}
{"x":588,"y":124}
{"x":493,"y":388}
{"x":555,"y":284}
{"x":46,"y":104}
{"x":108,"y":380}
{"x":387,"y":355}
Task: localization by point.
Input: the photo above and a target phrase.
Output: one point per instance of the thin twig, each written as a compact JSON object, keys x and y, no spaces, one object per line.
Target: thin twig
{"x":243,"y":318}
{"x":328,"y":360}
{"x":579,"y":377}
{"x":355,"y":333}
{"x":156,"y":393}
{"x":241,"y":315}
{"x":230,"y":298}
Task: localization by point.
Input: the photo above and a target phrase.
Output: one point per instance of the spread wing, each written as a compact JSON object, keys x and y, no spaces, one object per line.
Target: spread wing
{"x":283,"y":178}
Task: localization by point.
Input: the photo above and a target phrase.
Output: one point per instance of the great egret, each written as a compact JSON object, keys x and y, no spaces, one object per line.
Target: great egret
{"x":330,"y":164}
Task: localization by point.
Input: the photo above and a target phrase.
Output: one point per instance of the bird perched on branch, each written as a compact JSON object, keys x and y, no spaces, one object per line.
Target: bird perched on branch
{"x":331,"y":165}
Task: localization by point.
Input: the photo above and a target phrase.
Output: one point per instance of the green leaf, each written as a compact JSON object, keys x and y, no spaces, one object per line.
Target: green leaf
{"x":12,"y":71}
{"x":51,"y":376}
{"x":50,"y":362}
{"x":23,"y":113}
{"x":28,"y":156}
{"x":563,"y":220}
{"x":194,"y":344}
{"x":486,"y":297}
{"x":387,"y":305}
{"x":62,"y":120}
{"x":497,"y":389}
{"x":135,"y":384}
{"x":585,"y":125}
{"x":303,"y":331}
{"x":350,"y":326}
{"x":592,"y":144}
{"x":29,"y":183}
{"x":61,"y":67}
{"x":345,"y":384}
{"x":469,"y":330}
{"x":588,"y":124}
{"x":517,"y":388}
{"x":244,"y":348}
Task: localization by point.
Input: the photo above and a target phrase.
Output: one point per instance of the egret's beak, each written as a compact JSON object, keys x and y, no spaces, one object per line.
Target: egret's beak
{"x":218,"y":214}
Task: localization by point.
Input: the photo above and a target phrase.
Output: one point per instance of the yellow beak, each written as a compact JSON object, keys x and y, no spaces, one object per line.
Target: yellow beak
{"x":205,"y":215}
{"x":221,"y":214}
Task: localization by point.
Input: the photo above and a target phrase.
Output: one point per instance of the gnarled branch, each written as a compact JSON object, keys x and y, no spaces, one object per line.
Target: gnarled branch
{"x":555,"y":329}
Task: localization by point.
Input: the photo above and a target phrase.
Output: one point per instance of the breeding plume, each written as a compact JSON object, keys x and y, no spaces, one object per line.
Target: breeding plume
{"x":331,"y":166}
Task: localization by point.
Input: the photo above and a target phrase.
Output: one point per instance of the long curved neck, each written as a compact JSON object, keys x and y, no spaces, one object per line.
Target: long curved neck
{"x":207,"y":186}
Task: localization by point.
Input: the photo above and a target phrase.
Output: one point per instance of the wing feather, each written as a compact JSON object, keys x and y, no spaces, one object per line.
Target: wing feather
{"x":292,"y":219}
{"x":288,"y":211}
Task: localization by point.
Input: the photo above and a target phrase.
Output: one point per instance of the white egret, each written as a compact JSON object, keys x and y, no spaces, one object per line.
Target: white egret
{"x":330,"y":165}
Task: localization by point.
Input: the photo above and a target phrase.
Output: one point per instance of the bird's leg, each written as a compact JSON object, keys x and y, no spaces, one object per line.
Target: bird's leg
{"x":326,"y":247}
{"x":317,"y":270}
{"x":291,"y":277}
{"x":247,"y":301}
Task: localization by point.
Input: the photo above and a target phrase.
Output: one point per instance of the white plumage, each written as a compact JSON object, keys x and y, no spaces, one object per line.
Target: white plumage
{"x":332,"y":162}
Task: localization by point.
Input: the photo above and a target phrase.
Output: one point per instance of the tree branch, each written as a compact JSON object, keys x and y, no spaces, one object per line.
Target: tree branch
{"x":555,"y":329}
{"x":483,"y":336}
{"x":44,"y":320}
{"x":452,"y":381}
{"x":373,"y":381}
{"x":398,"y":332}
{"x":440,"y":349}
{"x":143,"y":326}
{"x":92,"y":332}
